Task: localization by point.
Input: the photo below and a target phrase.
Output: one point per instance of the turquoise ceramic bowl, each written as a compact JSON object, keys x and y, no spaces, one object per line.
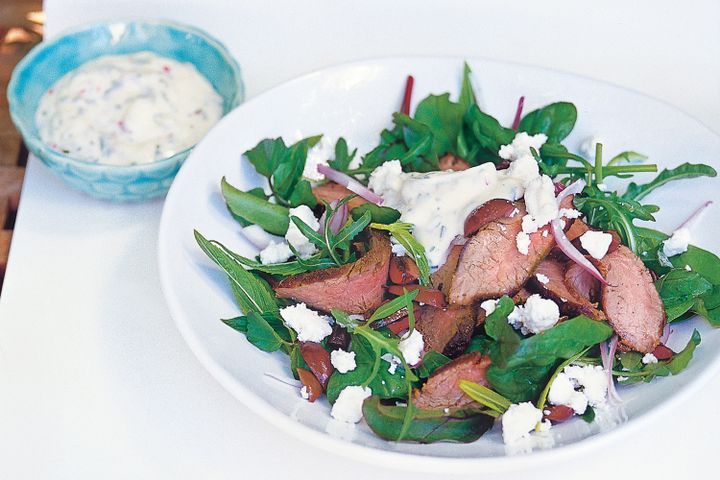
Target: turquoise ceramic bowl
{"x":50,"y":60}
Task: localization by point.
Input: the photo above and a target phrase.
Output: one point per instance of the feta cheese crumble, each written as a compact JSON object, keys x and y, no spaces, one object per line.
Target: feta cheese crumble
{"x":295,"y":238}
{"x":536,"y":315}
{"x":520,"y":146}
{"x":343,"y":361}
{"x":309,"y":324}
{"x":489,"y":306}
{"x":540,"y":203}
{"x":411,"y":346}
{"x":519,"y":420}
{"x":649,"y":358}
{"x":304,"y":392}
{"x":542,"y":278}
{"x":677,"y":243}
{"x":596,"y":243}
{"x":318,"y":155}
{"x":522,"y":241}
{"x":348,"y":406}
{"x":275,"y":252}
{"x":393,"y":361}
{"x":578,"y":386}
{"x":688,"y":268}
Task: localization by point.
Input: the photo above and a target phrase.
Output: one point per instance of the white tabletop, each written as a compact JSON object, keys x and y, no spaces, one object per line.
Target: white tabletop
{"x":95,"y":380}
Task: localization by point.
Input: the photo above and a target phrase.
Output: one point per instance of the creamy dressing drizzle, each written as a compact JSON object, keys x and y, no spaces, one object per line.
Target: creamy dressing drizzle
{"x":437,"y":203}
{"x":128,"y":109}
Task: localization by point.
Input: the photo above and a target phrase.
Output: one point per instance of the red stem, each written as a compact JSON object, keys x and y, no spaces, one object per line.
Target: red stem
{"x":408,"y":95}
{"x":518,"y":113}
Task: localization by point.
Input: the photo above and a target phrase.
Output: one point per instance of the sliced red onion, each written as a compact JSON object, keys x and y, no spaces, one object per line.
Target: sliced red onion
{"x":350,"y":183}
{"x":666,"y":334}
{"x":339,"y":217}
{"x":573,"y":253}
{"x":573,"y":189}
{"x":518,"y":113}
{"x":695,"y":215}
{"x":607,"y":353}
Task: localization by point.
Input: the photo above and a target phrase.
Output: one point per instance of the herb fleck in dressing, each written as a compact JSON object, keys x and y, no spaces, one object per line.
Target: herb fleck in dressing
{"x":127,"y":109}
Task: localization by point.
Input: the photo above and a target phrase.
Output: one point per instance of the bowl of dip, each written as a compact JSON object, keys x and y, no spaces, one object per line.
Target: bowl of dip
{"x":115,"y":108}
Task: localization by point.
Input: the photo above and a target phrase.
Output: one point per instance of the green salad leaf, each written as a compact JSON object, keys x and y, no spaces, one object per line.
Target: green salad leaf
{"x":251,"y":208}
{"x":521,"y":367}
{"x":378,"y":214}
{"x":686,"y":170}
{"x":253,"y":294}
{"x":555,"y":120}
{"x":402,"y":233}
{"x":428,"y":426}
{"x":634,"y":371}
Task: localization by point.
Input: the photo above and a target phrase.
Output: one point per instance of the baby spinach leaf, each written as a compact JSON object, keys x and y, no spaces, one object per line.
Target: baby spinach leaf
{"x":686,"y":170}
{"x":427,"y":426}
{"x":555,"y":120}
{"x":431,"y":361}
{"x":253,"y":294}
{"x":480,"y":343}
{"x":487,"y":130}
{"x":521,"y":375}
{"x":255,"y":210}
{"x":445,"y":119}
{"x":378,"y":214}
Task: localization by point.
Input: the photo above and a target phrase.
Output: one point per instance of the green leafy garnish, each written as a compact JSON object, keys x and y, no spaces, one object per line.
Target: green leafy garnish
{"x":283,"y":166}
{"x":555,"y":120}
{"x":428,"y":426}
{"x":254,"y":295}
{"x":402,"y":233}
{"x":484,"y":396}
{"x":249,"y":208}
{"x":378,"y":214}
{"x":635,"y":371}
{"x":686,"y":170}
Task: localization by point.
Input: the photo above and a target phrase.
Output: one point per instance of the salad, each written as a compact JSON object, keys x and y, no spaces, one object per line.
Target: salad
{"x":463,"y":271}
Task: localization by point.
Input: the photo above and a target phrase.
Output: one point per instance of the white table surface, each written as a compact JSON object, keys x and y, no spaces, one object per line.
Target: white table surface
{"x":96,"y":382}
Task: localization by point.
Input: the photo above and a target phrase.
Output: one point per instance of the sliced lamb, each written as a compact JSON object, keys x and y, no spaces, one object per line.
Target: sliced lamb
{"x":549,"y":282}
{"x":442,"y":389}
{"x":442,"y":277}
{"x":630,"y":301}
{"x":490,"y":264}
{"x":579,"y":280}
{"x":447,"y":331}
{"x":354,"y":288}
{"x":333,"y":192}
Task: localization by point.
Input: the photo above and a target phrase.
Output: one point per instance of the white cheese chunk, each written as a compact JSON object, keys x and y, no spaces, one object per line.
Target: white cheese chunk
{"x":596,"y":243}
{"x":295,"y":238}
{"x":309,"y":324}
{"x":411,"y":346}
{"x":343,"y":361}
{"x":519,"y":420}
{"x":393,"y":361}
{"x":275,"y":252}
{"x":489,"y":306}
{"x":536,"y":315}
{"x":677,"y":243}
{"x":649,"y":358}
{"x":348,"y":406}
{"x":522,"y":241}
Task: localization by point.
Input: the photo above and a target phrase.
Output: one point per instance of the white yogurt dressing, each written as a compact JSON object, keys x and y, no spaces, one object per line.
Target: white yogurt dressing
{"x":126,"y":109}
{"x":437,"y":203}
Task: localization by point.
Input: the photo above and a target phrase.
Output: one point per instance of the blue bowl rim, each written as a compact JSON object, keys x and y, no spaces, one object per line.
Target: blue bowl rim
{"x":48,"y":44}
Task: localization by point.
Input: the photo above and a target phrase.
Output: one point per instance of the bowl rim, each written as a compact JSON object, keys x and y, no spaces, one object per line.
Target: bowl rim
{"x":34,"y":142}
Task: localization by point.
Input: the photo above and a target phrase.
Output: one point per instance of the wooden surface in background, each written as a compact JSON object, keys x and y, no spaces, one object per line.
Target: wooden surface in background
{"x":16,"y":29}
